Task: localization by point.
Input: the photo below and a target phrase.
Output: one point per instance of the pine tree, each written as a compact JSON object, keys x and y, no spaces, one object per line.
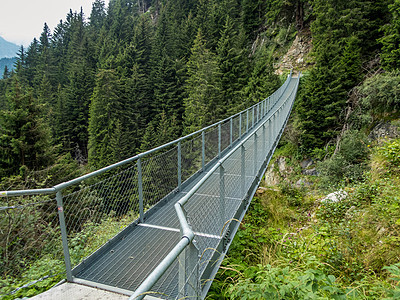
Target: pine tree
{"x":203,"y":104}
{"x":149,"y":140}
{"x":391,"y":41}
{"x":106,"y":112}
{"x":262,"y":82}
{"x":98,"y":15}
{"x":24,"y":136}
{"x":253,"y":17}
{"x":81,"y":67}
{"x":231,"y":62}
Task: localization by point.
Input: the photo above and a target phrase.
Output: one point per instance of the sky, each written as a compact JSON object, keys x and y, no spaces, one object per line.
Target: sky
{"x":23,"y":20}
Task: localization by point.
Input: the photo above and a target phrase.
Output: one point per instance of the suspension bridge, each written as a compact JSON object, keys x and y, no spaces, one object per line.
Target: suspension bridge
{"x":159,"y":223}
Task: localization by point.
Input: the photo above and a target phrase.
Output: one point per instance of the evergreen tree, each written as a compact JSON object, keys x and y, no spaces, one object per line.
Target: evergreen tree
{"x":149,"y":140}
{"x":24,"y":136}
{"x":105,"y":114}
{"x":253,"y":17}
{"x":203,"y":104}
{"x":98,"y":15}
{"x":231,"y":62}
{"x":81,"y":67}
{"x":167,"y":87}
{"x":391,"y":41}
{"x":338,"y":30}
{"x":262,"y":82}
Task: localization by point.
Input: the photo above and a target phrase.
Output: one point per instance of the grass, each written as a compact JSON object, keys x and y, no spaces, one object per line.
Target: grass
{"x":292,"y":246}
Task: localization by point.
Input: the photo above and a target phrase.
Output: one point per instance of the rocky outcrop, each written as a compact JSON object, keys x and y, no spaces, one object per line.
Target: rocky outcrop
{"x":335,"y":196}
{"x":384,"y":130}
{"x":297,"y":56}
{"x":277,"y":171}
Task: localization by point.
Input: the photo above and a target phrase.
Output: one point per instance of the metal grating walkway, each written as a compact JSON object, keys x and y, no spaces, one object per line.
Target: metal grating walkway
{"x":124,"y":262}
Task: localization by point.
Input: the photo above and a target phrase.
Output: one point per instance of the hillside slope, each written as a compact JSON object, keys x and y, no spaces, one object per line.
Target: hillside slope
{"x":8,"y":49}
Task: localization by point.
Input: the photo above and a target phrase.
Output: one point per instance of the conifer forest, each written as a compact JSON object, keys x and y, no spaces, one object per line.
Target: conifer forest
{"x":105,"y":85}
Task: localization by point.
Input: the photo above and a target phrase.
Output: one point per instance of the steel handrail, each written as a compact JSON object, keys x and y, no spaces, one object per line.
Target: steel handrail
{"x":187,"y":232}
{"x":66,"y":184}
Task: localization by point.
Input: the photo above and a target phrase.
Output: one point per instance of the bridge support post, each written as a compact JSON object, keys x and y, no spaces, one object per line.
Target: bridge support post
{"x":270,"y":139}
{"x":231,"y":133}
{"x":240,"y":125}
{"x":179,"y":166}
{"x":188,"y":281}
{"x":255,"y":153}
{"x":203,"y":150}
{"x":140,"y":188}
{"x":219,"y":140}
{"x":273,"y":129}
{"x":222,"y":194}
{"x":266,"y":106}
{"x":247,"y":120}
{"x":64,"y":236}
{"x":252,"y":117}
{"x":243,"y":171}
{"x":193,"y":281}
{"x":258,"y":112}
{"x":263,"y":109}
{"x":264,"y":137}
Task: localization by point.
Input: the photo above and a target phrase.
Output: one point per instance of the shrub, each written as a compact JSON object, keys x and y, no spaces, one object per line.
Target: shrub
{"x":391,"y":151}
{"x":348,"y":163}
{"x":381,"y":93}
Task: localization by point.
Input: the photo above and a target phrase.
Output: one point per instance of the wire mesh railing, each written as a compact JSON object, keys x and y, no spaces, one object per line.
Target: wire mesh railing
{"x":73,"y":219}
{"x":211,"y":210}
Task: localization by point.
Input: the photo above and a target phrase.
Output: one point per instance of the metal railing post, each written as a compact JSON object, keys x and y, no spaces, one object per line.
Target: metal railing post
{"x":262,"y":113}
{"x":179,"y":166}
{"x":240,"y":125}
{"x":270,"y":134}
{"x":252,"y":117}
{"x":140,"y":188}
{"x":182,"y":266}
{"x":247,"y":120}
{"x":193,"y":282}
{"x":231,"y":132}
{"x":188,"y":273}
{"x":243,"y":171}
{"x":64,"y":235}
{"x":255,"y":153}
{"x":264,"y":149}
{"x":203,"y":150}
{"x":222,"y":194}
{"x":265,"y":107}
{"x":219,"y":140}
{"x":258,"y":112}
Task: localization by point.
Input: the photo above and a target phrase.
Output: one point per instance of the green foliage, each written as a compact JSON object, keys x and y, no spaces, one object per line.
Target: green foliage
{"x":286,"y":283}
{"x":344,"y":34}
{"x":262,"y":82}
{"x":380,"y":94}
{"x":292,"y":246}
{"x":391,"y":40}
{"x":347,"y":164}
{"x":395,"y":272}
{"x":203,"y":105}
{"x":390,"y":150}
{"x":105,"y":121}
{"x":24,"y":136}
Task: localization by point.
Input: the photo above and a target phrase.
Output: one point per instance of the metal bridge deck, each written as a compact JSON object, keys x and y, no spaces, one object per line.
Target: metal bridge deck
{"x":128,"y":259}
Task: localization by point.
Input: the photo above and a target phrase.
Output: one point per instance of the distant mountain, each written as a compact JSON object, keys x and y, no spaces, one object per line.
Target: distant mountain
{"x":7,"y":49}
{"x":9,"y":62}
